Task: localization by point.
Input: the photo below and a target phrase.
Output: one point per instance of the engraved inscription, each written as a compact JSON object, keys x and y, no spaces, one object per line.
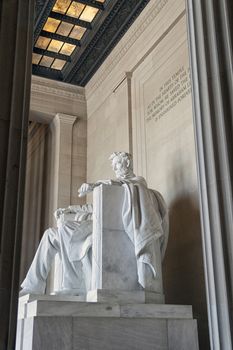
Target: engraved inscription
{"x":171,"y":92}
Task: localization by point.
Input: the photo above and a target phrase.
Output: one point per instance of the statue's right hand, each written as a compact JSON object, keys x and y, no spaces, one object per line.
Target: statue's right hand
{"x":85,"y":188}
{"x":58,"y":213}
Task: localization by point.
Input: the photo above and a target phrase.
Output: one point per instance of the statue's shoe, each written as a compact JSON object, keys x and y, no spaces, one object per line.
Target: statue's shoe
{"x":25,"y":291}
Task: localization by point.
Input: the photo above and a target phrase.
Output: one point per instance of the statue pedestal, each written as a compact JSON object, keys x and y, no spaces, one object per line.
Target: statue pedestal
{"x":120,"y":296}
{"x":114,"y":265}
{"x":68,"y":324}
{"x":118,"y":313}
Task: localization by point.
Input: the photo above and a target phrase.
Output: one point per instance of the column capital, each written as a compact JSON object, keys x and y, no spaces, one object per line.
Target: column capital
{"x":65,"y":118}
{"x":128,"y":75}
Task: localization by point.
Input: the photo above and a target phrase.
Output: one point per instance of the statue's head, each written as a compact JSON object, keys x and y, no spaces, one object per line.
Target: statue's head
{"x":122,"y":164}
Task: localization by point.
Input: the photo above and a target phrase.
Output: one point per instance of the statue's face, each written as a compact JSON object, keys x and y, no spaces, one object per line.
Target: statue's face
{"x":120,"y":166}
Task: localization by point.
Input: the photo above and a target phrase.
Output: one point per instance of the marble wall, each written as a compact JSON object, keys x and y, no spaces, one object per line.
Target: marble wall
{"x":36,"y":208}
{"x":107,"y":131}
{"x":49,"y":97}
{"x":140,"y":100}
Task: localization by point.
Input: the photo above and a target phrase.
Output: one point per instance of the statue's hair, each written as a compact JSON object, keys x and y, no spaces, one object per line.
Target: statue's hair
{"x":123,"y":156}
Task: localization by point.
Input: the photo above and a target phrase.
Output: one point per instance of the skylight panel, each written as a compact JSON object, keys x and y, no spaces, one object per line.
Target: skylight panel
{"x":46,"y":61}
{"x":51,"y":25}
{"x":36,"y":58}
{"x":58,"y":64}
{"x":64,"y":28}
{"x":42,"y":42}
{"x":55,"y":45}
{"x":61,"y":6}
{"x":67,"y":49}
{"x":77,"y":32}
{"x":89,"y":14}
{"x":75,"y":9}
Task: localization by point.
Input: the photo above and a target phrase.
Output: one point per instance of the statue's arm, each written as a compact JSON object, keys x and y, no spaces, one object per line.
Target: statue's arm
{"x":89,"y":187}
{"x":75,"y":208}
{"x":60,"y":211}
{"x":86,"y":188}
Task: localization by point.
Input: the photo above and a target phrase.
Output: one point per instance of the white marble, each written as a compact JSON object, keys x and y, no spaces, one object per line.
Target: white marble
{"x":50,"y":96}
{"x":68,"y":324}
{"x":19,"y":334}
{"x":72,"y":240}
{"x":71,"y":308}
{"x":120,"y":334}
{"x":28,"y":298}
{"x":113,"y":261}
{"x":157,"y":311}
{"x":182,"y":335}
{"x":52,"y":333}
{"x":130,"y":230}
{"x":124,"y":296}
{"x":27,"y":335}
{"x":94,"y":333}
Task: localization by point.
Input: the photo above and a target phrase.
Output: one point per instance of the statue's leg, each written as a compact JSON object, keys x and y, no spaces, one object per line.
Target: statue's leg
{"x":35,"y":281}
{"x":87,"y":270}
{"x":73,"y":280}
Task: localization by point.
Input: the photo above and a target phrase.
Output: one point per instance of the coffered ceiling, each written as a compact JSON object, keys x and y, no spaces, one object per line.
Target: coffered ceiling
{"x":73,"y":38}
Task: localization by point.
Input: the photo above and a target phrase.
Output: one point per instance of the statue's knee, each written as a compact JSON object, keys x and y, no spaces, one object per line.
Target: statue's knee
{"x":50,"y":235}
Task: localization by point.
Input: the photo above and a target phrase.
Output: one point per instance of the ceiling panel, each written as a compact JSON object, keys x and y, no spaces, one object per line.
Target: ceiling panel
{"x":73,"y":38}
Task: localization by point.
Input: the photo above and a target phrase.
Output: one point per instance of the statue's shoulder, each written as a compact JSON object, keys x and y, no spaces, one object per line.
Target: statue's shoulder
{"x":140,"y":180}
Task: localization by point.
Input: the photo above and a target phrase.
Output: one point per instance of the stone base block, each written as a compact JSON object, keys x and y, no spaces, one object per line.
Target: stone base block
{"x":25,"y":301}
{"x":74,"y":325}
{"x":124,"y":297}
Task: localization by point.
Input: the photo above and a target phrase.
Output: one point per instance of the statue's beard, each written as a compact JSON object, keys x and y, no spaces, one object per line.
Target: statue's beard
{"x":124,"y":173}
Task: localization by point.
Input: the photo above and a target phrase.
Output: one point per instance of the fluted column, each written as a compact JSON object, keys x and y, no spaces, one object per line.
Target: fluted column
{"x":130,"y":122}
{"x":36,"y":200}
{"x":16,"y":29}
{"x":62,"y":134}
{"x":211,"y":37}
{"x":63,"y":137}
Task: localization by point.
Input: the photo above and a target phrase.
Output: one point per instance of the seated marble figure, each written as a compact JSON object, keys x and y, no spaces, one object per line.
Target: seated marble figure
{"x":72,"y":240}
{"x":145,"y":219}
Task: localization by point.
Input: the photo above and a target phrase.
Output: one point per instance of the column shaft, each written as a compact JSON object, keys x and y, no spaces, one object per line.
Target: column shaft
{"x":62,"y":131}
{"x":210,"y":39}
{"x":16,"y":31}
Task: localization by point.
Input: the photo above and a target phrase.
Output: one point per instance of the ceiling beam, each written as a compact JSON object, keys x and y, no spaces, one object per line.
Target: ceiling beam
{"x":60,"y":37}
{"x":69,"y":19}
{"x":42,"y":17}
{"x":93,"y":3}
{"x":98,"y":22}
{"x":88,"y":59}
{"x":44,"y":71}
{"x":52,"y":54}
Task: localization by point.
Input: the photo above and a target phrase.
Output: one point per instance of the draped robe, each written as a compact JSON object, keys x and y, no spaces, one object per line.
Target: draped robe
{"x":145,"y":220}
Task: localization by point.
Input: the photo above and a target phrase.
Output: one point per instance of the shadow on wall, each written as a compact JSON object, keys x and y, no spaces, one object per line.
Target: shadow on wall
{"x":183,"y":270}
